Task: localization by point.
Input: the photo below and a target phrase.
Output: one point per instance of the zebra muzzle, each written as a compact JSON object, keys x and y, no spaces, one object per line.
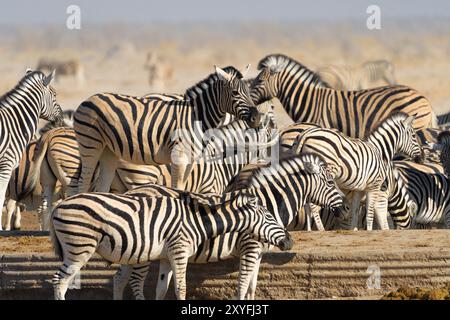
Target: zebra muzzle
{"x":286,"y":243}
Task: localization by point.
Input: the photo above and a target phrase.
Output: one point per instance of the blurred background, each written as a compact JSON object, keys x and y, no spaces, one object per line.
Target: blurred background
{"x":137,"y":47}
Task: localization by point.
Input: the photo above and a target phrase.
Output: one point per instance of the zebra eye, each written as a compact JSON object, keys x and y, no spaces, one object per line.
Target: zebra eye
{"x":235,"y":92}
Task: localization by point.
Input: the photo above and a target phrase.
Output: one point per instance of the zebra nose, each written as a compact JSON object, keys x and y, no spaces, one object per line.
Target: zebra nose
{"x":286,"y":243}
{"x":254,"y":118}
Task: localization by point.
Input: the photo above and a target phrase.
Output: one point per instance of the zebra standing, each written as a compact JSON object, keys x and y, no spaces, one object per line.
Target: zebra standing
{"x":283,"y":188}
{"x":148,"y":131}
{"x":20,"y":109}
{"x":363,"y":166}
{"x":355,"y":113}
{"x":131,"y":229}
{"x":348,"y":79}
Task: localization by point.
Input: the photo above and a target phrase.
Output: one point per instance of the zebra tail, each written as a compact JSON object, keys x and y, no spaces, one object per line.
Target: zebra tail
{"x":54,"y":238}
{"x":41,"y":149}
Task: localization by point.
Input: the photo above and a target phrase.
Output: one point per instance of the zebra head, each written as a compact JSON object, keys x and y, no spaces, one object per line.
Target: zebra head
{"x":323,"y":189}
{"x":264,"y":227}
{"x":50,"y":108}
{"x":408,"y":142}
{"x":235,"y":95}
{"x":266,"y":85}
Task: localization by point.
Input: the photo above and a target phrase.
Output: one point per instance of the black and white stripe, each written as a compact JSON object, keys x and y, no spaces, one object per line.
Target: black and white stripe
{"x":362,"y":166}
{"x":354,"y":113}
{"x":20,"y":109}
{"x":157,"y":131}
{"x":130,"y":229}
{"x":284,"y":189}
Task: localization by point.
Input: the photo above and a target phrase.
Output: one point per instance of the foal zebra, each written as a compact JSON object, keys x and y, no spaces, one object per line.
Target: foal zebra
{"x":284,"y":189}
{"x":363,"y":166}
{"x":132,"y":229}
{"x":355,"y":113}
{"x":154,"y":131}
{"x":351,"y":79}
{"x":20,"y":109}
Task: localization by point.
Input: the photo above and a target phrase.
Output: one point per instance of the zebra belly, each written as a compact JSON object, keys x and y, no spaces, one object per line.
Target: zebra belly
{"x":155,"y":251}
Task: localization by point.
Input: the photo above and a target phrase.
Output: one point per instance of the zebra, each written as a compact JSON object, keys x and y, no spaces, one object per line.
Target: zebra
{"x":356,"y":113}
{"x":23,"y":187}
{"x":20,"y":109}
{"x":146,"y":131}
{"x":429,"y":191}
{"x":132,"y":229}
{"x":362,"y":166}
{"x":292,"y":182}
{"x":352,"y":79}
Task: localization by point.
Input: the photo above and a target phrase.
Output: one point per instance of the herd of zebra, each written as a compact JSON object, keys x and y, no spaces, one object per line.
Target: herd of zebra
{"x":207,"y":175}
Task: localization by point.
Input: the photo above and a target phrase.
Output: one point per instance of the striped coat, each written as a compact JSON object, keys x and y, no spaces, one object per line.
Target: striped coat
{"x":354,"y":113}
{"x":154,"y":131}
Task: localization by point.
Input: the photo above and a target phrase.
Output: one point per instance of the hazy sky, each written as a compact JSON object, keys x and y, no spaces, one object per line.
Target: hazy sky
{"x":21,"y":12}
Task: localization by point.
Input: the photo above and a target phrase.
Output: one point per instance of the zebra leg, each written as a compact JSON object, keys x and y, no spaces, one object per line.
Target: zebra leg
{"x":253,"y":281}
{"x":315,"y":213}
{"x":380,"y":205}
{"x":248,"y":260}
{"x":137,"y":280}
{"x":3,"y":187}
{"x":46,"y":205}
{"x":164,"y":276}
{"x":11,"y":206}
{"x":307,"y":209}
{"x":120,"y":280}
{"x":179,"y":165}
{"x":356,"y":202}
{"x":17,"y":218}
{"x":178,"y":261}
{"x":108,"y":167}
{"x":66,"y":274}
{"x":89,"y":161}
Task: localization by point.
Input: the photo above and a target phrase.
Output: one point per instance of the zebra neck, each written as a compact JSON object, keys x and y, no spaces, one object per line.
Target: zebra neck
{"x":385,"y":144}
{"x":207,"y":107}
{"x":298,"y":90}
{"x":284,"y":201}
{"x":218,"y":221}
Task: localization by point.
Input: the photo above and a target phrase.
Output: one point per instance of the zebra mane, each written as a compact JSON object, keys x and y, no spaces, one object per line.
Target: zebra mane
{"x":395,"y":117}
{"x":278,"y":62}
{"x":192,"y":92}
{"x":213,"y":201}
{"x":292,"y":164}
{"x":33,"y":75}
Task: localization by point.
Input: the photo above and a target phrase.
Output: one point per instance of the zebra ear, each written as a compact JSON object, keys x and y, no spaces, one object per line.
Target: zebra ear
{"x":222,"y":74}
{"x":48,"y":79}
{"x":28,"y":71}
{"x":409,"y":120}
{"x":245,"y":71}
{"x":312,"y":168}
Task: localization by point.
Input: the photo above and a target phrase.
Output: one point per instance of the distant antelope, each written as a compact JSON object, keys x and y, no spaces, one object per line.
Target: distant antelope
{"x":72,"y":67}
